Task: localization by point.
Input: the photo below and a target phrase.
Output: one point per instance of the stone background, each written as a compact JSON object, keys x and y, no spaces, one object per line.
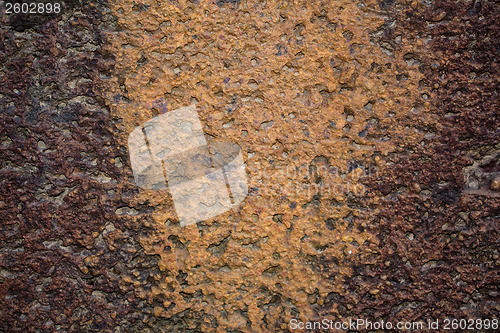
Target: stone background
{"x":370,"y":133}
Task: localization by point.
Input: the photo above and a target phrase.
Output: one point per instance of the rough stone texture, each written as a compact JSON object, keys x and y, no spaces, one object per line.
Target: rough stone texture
{"x":438,"y":227}
{"x":58,"y":165}
{"x":371,"y":139}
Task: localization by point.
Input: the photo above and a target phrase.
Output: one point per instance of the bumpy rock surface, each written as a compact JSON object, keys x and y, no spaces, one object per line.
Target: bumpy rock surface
{"x":370,"y":134}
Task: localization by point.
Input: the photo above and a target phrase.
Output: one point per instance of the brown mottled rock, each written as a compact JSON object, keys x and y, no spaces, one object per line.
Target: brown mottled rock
{"x":368,"y":128}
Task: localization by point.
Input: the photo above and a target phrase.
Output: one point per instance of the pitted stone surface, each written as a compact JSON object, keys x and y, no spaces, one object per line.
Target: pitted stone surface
{"x":359,"y":123}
